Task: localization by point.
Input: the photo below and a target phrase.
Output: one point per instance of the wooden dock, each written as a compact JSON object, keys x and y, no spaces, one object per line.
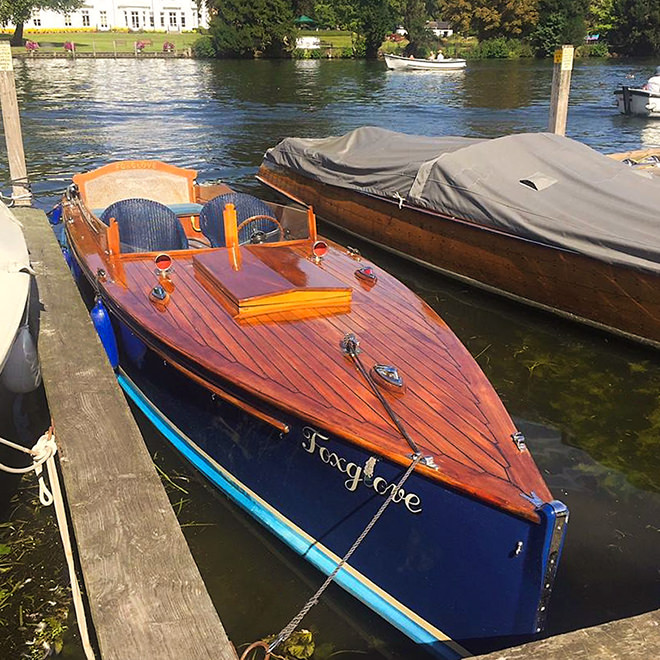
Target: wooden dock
{"x":146,"y":596}
{"x":635,"y":638}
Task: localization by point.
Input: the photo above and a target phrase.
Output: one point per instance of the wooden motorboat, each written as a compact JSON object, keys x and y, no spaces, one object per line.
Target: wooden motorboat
{"x":400,"y":63}
{"x":538,"y":218}
{"x":638,"y":101}
{"x":305,"y":382}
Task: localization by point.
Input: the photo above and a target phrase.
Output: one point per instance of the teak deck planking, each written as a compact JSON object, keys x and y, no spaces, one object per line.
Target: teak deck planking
{"x":292,"y":361}
{"x":613,"y":298}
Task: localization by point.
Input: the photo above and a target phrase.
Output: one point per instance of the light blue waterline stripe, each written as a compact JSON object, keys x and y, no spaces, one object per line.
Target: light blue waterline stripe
{"x":290,"y":536}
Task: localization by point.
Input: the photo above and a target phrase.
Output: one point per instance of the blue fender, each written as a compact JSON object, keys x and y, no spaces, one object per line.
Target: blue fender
{"x":55,"y":214}
{"x":134,"y":347}
{"x":103,"y":325}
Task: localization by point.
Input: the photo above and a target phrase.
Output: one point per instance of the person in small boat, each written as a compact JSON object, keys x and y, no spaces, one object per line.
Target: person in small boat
{"x":440,"y":55}
{"x":653,"y":83}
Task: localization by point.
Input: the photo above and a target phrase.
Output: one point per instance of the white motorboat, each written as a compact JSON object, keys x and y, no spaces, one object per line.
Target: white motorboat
{"x":637,"y":101}
{"x":19,"y":367}
{"x":399,"y":63}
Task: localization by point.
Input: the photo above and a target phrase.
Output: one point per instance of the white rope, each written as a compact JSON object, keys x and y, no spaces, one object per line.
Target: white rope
{"x":44,"y":452}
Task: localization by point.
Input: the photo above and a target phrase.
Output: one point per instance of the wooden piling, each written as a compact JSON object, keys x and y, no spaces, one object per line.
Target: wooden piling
{"x":146,"y":596}
{"x":12,"y":126}
{"x":561,"y":86}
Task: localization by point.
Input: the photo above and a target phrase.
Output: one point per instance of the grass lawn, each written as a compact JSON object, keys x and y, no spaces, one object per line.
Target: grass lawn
{"x":102,"y":42}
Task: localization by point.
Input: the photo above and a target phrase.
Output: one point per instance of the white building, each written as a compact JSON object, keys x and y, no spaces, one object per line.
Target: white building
{"x":440,"y":28}
{"x":158,"y":15}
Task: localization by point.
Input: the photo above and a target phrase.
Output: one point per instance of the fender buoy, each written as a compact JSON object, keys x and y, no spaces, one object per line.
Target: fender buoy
{"x":134,"y":347}
{"x":103,"y":325}
{"x":21,"y":373}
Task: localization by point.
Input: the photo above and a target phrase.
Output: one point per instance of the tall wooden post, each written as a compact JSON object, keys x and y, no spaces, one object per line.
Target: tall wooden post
{"x":12,"y":124}
{"x":561,"y":85}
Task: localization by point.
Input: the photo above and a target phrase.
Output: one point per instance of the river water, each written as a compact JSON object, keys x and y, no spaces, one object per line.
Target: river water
{"x":588,"y":403}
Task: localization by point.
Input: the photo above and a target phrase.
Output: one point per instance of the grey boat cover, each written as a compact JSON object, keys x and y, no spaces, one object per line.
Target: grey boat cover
{"x":538,"y":186}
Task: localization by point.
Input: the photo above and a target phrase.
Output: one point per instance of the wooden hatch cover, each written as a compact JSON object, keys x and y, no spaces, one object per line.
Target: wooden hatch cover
{"x":266,"y":279}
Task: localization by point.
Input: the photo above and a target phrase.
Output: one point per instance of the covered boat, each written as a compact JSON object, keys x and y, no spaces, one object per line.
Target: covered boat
{"x":312,"y":387}
{"x":400,"y":63}
{"x":19,"y":365}
{"x":537,"y":217}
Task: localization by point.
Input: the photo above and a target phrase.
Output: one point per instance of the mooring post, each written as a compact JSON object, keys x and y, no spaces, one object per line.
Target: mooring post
{"x":561,"y":85}
{"x":12,"y":124}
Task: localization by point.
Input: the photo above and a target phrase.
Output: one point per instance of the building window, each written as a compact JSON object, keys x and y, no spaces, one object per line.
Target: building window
{"x":67,"y":20}
{"x":36,"y":19}
{"x":85,"y":18}
{"x":173,"y":19}
{"x":135,"y":19}
{"x":103,"y":19}
{"x":151,"y":19}
{"x":162,"y":19}
{"x":183,"y":20}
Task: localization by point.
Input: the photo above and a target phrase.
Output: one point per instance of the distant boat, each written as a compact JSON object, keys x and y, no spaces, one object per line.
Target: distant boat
{"x":637,"y":101}
{"x":235,"y":329}
{"x":536,"y":217}
{"x":398,"y":63}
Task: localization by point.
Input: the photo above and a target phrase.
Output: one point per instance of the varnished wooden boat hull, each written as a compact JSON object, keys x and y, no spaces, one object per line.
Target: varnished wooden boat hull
{"x":469,"y":550}
{"x":612,"y":298}
{"x":307,"y":487}
{"x":440,"y":566}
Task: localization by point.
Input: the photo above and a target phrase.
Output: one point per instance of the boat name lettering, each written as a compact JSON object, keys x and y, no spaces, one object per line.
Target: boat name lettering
{"x":354,"y":472}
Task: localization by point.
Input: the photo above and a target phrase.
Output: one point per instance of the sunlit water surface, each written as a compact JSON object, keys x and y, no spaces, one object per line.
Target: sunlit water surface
{"x":587,"y":403}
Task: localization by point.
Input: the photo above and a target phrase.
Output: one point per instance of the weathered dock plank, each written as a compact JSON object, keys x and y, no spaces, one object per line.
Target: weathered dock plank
{"x":635,"y":638}
{"x":145,"y":593}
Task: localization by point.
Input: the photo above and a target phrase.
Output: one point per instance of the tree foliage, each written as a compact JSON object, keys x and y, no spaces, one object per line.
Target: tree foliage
{"x":488,"y":19}
{"x":414,"y":19}
{"x":638,"y":26}
{"x":240,"y":29}
{"x":19,"y":11}
{"x":600,"y":17}
{"x":560,"y":22}
{"x":374,"y":20}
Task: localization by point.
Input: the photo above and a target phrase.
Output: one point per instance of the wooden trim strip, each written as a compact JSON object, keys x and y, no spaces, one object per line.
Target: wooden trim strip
{"x":280,"y":426}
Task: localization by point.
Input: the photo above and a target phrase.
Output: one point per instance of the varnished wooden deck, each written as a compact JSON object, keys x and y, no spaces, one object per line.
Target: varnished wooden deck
{"x":293,"y":361}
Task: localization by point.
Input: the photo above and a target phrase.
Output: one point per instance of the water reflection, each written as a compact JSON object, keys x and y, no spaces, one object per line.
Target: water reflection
{"x":587,"y":403}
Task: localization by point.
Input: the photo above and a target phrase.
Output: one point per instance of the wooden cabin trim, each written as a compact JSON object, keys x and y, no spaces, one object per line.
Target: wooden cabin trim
{"x":85,"y":182}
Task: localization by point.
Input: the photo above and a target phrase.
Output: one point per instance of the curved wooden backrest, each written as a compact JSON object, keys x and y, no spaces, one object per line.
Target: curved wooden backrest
{"x":148,"y":179}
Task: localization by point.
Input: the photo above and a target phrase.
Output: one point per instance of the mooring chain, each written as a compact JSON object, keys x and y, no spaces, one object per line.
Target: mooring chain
{"x":293,"y":624}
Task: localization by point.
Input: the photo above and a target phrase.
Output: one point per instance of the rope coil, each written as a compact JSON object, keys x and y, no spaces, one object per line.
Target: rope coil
{"x":44,"y":451}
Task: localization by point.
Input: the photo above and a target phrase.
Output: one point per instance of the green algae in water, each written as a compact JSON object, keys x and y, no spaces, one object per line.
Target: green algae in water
{"x":35,"y":599}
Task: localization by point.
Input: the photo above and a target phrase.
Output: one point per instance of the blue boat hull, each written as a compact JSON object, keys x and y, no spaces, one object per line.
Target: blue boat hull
{"x":442,"y":567}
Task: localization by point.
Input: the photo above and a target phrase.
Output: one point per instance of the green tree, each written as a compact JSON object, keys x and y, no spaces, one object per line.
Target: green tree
{"x":490,"y":19}
{"x":600,"y":17}
{"x":560,"y":22}
{"x":414,"y":20}
{"x":374,"y":19}
{"x":240,"y":29}
{"x":19,"y":11}
{"x":325,"y":15}
{"x":638,"y":26}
